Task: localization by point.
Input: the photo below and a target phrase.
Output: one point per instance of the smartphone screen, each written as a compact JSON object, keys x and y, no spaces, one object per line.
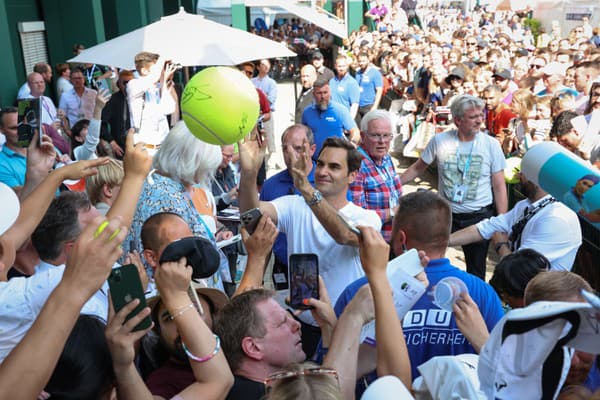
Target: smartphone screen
{"x":125,"y":285}
{"x":250,"y":219}
{"x":28,"y":121}
{"x":304,"y":279}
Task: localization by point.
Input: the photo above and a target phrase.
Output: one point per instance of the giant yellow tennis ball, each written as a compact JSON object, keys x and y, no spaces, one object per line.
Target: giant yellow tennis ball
{"x":511,"y":172}
{"x":220,"y":105}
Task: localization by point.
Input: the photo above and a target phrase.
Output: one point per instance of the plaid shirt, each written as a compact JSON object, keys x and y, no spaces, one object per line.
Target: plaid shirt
{"x":377,"y":187}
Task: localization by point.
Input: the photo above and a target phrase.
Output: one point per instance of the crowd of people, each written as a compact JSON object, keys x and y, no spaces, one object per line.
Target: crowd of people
{"x":113,"y":178}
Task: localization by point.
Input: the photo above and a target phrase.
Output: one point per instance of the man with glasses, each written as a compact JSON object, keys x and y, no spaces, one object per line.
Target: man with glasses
{"x":377,"y":186}
{"x":536,"y":73}
{"x":470,"y":174}
{"x":224,"y":185}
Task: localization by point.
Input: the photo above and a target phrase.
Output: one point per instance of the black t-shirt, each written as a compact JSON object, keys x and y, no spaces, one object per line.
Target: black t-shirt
{"x":246,"y":389}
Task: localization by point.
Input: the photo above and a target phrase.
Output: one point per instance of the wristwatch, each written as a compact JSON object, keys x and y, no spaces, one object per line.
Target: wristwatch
{"x":315,"y":199}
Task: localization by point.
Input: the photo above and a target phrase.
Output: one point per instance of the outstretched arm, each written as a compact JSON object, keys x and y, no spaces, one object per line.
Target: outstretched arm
{"x":88,"y":266}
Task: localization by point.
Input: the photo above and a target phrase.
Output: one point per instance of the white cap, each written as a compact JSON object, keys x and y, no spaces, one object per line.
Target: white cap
{"x":448,"y":377}
{"x":10,"y":207}
{"x":387,"y":388}
{"x":528,"y":353}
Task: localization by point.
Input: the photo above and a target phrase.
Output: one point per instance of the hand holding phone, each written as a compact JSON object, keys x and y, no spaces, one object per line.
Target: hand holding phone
{"x":250,"y":219}
{"x":304,"y":279}
{"x":125,"y":286}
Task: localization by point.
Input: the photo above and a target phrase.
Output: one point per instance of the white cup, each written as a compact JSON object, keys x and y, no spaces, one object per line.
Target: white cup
{"x":447,"y":291}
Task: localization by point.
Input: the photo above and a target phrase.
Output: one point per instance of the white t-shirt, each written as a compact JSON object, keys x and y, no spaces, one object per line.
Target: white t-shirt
{"x":483,"y":156}
{"x":554,"y":231}
{"x":149,"y":110}
{"x":339,"y":265}
{"x":22,"y":299}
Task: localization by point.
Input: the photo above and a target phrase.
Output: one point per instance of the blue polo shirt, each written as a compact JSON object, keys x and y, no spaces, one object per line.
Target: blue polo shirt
{"x":13,"y":167}
{"x":329,"y":123}
{"x":345,"y":91}
{"x":369,"y":82}
{"x":279,"y":185}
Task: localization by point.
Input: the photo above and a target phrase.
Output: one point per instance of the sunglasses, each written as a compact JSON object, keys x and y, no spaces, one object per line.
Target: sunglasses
{"x":536,"y":66}
{"x":276,"y":376}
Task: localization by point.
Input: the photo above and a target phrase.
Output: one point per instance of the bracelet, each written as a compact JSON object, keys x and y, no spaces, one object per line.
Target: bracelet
{"x":499,"y":245}
{"x":203,"y":359}
{"x":181,"y":311}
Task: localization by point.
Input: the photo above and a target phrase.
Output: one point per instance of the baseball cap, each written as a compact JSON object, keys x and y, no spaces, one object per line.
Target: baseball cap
{"x":555,"y":68}
{"x":528,"y":353}
{"x":448,"y":377}
{"x":317,"y":55}
{"x":10,"y":207}
{"x":199,"y":252}
{"x":456,"y":72}
{"x":503,"y":73}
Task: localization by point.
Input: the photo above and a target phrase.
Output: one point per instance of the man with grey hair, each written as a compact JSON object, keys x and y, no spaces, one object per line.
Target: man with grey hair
{"x":377,"y":186}
{"x":470,"y":174}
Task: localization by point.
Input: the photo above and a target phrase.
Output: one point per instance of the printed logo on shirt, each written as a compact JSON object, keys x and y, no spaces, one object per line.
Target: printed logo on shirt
{"x":330,"y":119}
{"x":430,"y":326}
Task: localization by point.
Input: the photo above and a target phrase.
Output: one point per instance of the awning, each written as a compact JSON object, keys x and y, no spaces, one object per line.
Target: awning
{"x":318,"y":17}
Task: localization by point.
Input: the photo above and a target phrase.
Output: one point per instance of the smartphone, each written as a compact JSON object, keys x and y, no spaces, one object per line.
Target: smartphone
{"x":250,"y":219}
{"x":260,"y":125}
{"x":349,"y":224}
{"x":304,"y":279}
{"x":28,"y":121}
{"x":125,"y":285}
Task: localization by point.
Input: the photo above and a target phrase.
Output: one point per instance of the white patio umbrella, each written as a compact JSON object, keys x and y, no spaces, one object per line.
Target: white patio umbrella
{"x":186,"y":39}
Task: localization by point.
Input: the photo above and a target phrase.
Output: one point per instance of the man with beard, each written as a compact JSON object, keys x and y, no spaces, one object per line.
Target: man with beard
{"x":344,"y":88}
{"x":327,"y":118}
{"x":539,"y":222}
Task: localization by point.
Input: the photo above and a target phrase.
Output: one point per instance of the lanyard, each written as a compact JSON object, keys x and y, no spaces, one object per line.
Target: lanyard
{"x":90,"y":74}
{"x":47,"y":108}
{"x":469,"y":159}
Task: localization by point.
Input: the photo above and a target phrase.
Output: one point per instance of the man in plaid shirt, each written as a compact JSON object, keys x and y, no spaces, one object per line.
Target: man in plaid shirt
{"x":377,"y":186}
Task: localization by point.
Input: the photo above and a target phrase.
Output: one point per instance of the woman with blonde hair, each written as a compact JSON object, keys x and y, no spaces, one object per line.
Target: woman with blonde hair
{"x":521,"y":136}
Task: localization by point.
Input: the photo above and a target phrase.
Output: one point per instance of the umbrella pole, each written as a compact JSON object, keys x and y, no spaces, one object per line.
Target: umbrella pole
{"x":186,"y":75}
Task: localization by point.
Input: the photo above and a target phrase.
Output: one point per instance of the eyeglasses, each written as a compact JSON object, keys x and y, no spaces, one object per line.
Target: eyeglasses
{"x":303,"y":372}
{"x":471,"y":43}
{"x":379,"y":137}
{"x":536,"y":66}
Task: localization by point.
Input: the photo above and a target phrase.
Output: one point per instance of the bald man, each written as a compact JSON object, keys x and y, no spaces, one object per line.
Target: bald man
{"x":41,"y":68}
{"x":37,"y":86}
{"x":308,"y":76}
